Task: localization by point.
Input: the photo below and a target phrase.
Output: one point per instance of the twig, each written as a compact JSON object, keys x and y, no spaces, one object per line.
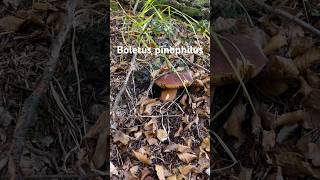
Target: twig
{"x":29,"y":111}
{"x":124,"y":86}
{"x":289,"y":17}
{"x":194,"y":64}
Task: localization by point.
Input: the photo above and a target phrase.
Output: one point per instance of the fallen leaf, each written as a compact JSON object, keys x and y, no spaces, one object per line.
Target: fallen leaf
{"x":268,"y":139}
{"x":206,"y":144}
{"x":174,"y":177}
{"x":184,"y":170}
{"x":299,"y":45}
{"x":121,"y":137}
{"x":178,"y":147}
{"x":100,"y":154}
{"x":310,"y":57}
{"x":275,"y":43}
{"x":289,"y":118}
{"x":10,"y":24}
{"x":134,"y":171}
{"x":186,"y":157}
{"x":313,"y":154}
{"x":41,"y":6}
{"x":222,"y":24}
{"x":162,"y":135}
{"x":141,"y":157}
{"x":234,"y":122}
{"x":160,"y":172}
{"x":295,"y":162}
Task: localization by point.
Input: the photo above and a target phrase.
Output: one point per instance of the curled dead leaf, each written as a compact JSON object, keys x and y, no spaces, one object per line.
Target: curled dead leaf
{"x":121,"y":137}
{"x":234,"y":122}
{"x":142,"y":157}
{"x":10,"y":24}
{"x":162,"y":135}
{"x":310,"y":57}
{"x":275,"y":43}
{"x":186,"y":157}
{"x":184,"y":170}
{"x":160,"y":172}
{"x":206,"y":144}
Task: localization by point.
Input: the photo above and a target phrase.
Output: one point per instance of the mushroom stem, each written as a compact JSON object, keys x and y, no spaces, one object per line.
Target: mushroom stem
{"x":168,"y":94}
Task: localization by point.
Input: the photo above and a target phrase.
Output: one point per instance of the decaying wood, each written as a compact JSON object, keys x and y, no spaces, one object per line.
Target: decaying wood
{"x":28,"y":114}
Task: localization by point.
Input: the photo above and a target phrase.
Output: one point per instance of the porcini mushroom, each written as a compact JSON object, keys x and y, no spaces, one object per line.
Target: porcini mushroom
{"x":245,"y":54}
{"x":171,"y":82}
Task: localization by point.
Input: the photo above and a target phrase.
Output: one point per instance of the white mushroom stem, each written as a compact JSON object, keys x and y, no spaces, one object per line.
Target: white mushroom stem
{"x":168,"y":94}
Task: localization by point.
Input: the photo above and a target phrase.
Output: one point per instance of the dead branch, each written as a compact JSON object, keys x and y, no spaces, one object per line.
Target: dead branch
{"x":124,"y":86}
{"x":28,"y":113}
{"x":289,"y":17}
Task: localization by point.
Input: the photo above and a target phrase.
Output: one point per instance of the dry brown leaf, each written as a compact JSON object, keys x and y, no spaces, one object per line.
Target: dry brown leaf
{"x":234,"y":122}
{"x":134,"y":171}
{"x":186,"y":157}
{"x":280,"y":67}
{"x":206,"y":144}
{"x":310,"y":57}
{"x":174,"y":177}
{"x":183,"y":100}
{"x":142,"y":157}
{"x":273,"y":87}
{"x":160,"y":172}
{"x":10,"y":24}
{"x":289,"y":118}
{"x":41,"y":6}
{"x":99,"y":126}
{"x":299,"y":45}
{"x":151,"y":126}
{"x":100,"y":154}
{"x":222,"y":24}
{"x":275,"y":43}
{"x":144,"y":102}
{"x":177,"y":134}
{"x":268,"y":139}
{"x":178,"y":147}
{"x":184,"y":170}
{"x":295,"y":161}
{"x":121,"y":137}
{"x":204,"y":163}
{"x":152,"y":141}
{"x":144,"y":173}
{"x":162,"y":135}
{"x":313,"y":154}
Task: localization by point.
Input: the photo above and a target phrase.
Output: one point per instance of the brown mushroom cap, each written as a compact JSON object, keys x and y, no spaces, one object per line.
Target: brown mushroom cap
{"x":255,"y":59}
{"x":171,"y":80}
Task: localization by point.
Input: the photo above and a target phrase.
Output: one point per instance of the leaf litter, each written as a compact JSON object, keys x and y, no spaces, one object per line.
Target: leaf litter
{"x":277,"y":137}
{"x":165,"y":139}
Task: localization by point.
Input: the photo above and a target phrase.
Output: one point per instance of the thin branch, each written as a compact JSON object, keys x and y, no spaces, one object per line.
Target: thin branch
{"x":289,"y":17}
{"x":124,"y":86}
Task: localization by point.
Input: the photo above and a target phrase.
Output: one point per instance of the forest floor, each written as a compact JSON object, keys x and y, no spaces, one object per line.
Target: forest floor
{"x":53,"y":137}
{"x":152,"y":138}
{"x":267,"y":128}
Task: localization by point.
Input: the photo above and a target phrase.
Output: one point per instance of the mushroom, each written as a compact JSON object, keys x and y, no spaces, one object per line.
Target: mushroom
{"x":171,"y":82}
{"x":235,"y":45}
